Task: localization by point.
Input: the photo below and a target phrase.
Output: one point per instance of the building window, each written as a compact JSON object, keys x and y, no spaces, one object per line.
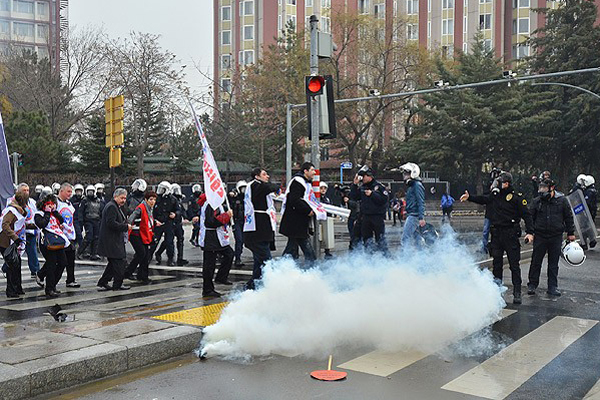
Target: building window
{"x":292,"y":19}
{"x":279,"y":24}
{"x":23,"y":30}
{"x":379,"y":11}
{"x":484,"y":1}
{"x":522,"y":51}
{"x":412,"y":31}
{"x":226,"y":37}
{"x":248,"y":57}
{"x":42,"y":9}
{"x":249,"y":8}
{"x":428,"y":29}
{"x":447,"y":26}
{"x":43,"y":52}
{"x":524,"y":3}
{"x":42,"y":32}
{"x":309,"y":3}
{"x":4,"y":27}
{"x":326,"y":24}
{"x":226,"y":13}
{"x":524,"y":25}
{"x":326,"y":3}
{"x":485,"y":21}
{"x":465,"y":48}
{"x":325,"y":154}
{"x":487,"y":44}
{"x":4,"y":5}
{"x":226,"y":61}
{"x":226,"y":85}
{"x":363,"y":6}
{"x":249,"y":32}
{"x":447,"y":4}
{"x":291,"y":2}
{"x":412,"y":7}
{"x":25,"y":7}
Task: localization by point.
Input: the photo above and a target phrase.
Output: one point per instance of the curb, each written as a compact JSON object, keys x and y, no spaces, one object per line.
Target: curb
{"x":77,"y":367}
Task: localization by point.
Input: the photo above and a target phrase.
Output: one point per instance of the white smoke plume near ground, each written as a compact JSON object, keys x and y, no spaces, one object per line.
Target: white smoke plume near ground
{"x":425,"y":301}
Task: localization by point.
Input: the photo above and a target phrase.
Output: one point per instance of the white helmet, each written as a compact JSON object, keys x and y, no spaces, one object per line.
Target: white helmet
{"x":581,"y":178}
{"x":140,"y":185}
{"x":163,"y":188}
{"x":39,"y":188}
{"x":573,"y":253}
{"x":100,"y":187}
{"x":91,"y":188}
{"x":323,"y":184}
{"x":241,"y":184}
{"x":411,"y":168}
{"x":77,"y":187}
{"x":589,"y":181}
{"x":56,"y":187}
{"x":176,"y":189}
{"x":197,"y":188}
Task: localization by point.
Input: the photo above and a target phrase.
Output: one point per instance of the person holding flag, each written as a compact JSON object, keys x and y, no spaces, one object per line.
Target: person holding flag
{"x":299,"y":207}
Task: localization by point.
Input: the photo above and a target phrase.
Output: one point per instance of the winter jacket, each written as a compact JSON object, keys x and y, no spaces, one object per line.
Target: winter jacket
{"x":90,"y":209}
{"x":507,"y":209}
{"x":113,"y":232}
{"x":447,"y":201}
{"x":8,"y":226}
{"x":296,"y":220}
{"x":213,"y":219}
{"x":552,"y":217}
{"x":415,"y":199}
{"x":133,"y":200}
{"x":264,"y":231}
{"x":376,"y":203}
{"x":166,"y":204}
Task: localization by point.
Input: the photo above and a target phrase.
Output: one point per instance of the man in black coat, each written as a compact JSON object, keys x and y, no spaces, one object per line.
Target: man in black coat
{"x":551,"y":216}
{"x":259,"y":234}
{"x":113,"y":236}
{"x":166,"y":211}
{"x":296,"y":218}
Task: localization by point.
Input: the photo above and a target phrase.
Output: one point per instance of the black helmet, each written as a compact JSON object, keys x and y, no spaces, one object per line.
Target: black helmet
{"x":505,"y":177}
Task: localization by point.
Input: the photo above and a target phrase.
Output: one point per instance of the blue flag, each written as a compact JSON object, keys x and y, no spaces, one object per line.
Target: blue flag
{"x":6,"y":179}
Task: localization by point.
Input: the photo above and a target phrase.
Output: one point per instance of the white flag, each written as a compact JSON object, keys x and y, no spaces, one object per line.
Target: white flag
{"x":213,"y":185}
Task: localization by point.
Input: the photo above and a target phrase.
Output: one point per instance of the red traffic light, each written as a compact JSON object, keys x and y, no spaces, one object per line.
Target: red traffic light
{"x":314,"y":85}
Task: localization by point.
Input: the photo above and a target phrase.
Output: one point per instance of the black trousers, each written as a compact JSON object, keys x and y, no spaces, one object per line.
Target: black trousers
{"x":261,"y":253}
{"x":70,"y":265}
{"x":541,"y":247}
{"x":167,"y":231}
{"x":56,"y":260}
{"x":179,"y":235}
{"x":115,"y":270}
{"x":506,"y":240}
{"x":209,"y":264}
{"x":292,"y":249}
{"x":373,"y":225}
{"x":13,"y":277}
{"x":141,"y":258}
{"x":92,"y":234}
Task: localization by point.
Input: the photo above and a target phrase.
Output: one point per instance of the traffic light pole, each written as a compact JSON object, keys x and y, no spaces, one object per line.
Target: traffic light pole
{"x":15,"y":160}
{"x":314,"y":118}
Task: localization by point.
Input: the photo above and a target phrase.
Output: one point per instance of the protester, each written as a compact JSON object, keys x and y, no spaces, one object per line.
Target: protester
{"x":447,"y":204}
{"x":141,"y":236}
{"x":113,"y":236}
{"x":13,"y":231}
{"x":66,"y":209}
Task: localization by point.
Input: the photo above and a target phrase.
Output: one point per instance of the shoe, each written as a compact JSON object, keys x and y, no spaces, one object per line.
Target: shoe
{"x":52,"y":294}
{"x":192,"y":242}
{"x":228,"y":283}
{"x":530,"y":290}
{"x":170,"y":263}
{"x":94,"y":258}
{"x":517,"y":298}
{"x":73,"y":285}
{"x":211,"y":294}
{"x":21,"y":292}
{"x":122,"y":287}
{"x":39,"y":281}
{"x":158,"y":259}
{"x":593,"y":244}
{"x":145,"y":281}
{"x":181,"y":263}
{"x":554,"y":292}
{"x":13,"y":296}
{"x":104,"y":288}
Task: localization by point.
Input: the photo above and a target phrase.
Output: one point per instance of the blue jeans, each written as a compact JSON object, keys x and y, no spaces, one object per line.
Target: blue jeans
{"x":32,"y":256}
{"x":261,"y":253}
{"x":410,"y":228}
{"x":486,"y":235}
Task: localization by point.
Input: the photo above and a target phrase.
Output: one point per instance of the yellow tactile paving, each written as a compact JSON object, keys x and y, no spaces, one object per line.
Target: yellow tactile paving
{"x":200,"y":316}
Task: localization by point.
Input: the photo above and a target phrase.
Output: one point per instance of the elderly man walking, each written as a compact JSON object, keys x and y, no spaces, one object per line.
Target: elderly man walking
{"x":113,"y":236}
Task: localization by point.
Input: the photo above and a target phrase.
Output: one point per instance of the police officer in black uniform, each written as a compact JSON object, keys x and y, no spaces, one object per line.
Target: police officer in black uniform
{"x":373,"y":199}
{"x":508,"y":208}
{"x":552,"y":216}
{"x":89,"y":214}
{"x":166,"y":211}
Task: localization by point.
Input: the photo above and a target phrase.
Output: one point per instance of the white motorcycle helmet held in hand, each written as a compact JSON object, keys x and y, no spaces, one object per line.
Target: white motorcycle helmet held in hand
{"x":573,"y":253}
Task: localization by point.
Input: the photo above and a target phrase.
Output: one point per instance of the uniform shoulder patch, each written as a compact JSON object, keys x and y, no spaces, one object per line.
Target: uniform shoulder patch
{"x":509,"y":197}
{"x":524,"y":202}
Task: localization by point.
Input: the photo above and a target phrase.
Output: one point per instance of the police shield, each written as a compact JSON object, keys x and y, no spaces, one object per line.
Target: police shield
{"x":586,"y":229}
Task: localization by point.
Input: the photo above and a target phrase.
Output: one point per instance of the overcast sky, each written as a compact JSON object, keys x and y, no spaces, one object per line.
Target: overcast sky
{"x":185,"y":27}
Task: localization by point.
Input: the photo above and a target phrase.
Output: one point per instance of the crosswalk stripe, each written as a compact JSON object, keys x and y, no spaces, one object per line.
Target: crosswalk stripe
{"x":94,"y":296}
{"x":383,"y":363}
{"x":142,"y":301}
{"x":594,"y":393}
{"x":502,"y":374}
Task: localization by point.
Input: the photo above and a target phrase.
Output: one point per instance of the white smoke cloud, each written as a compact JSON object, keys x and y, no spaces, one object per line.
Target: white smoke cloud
{"x":419,"y":301}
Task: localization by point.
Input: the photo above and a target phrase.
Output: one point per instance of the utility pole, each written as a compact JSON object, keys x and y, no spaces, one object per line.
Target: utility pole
{"x":315,"y":154}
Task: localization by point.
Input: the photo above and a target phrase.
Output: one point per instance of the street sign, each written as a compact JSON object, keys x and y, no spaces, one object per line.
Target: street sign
{"x":346,"y":165}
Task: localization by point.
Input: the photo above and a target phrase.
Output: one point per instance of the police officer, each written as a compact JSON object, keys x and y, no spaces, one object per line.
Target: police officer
{"x":76,"y":201}
{"x":508,"y":208}
{"x":373,"y":199}
{"x":38,"y":192}
{"x":551,"y":217}
{"x":165,"y":211}
{"x":177,"y":225}
{"x":591,"y":195}
{"x":236,"y":199}
{"x":136,"y":197}
{"x":193,"y":210}
{"x":90,"y":213}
